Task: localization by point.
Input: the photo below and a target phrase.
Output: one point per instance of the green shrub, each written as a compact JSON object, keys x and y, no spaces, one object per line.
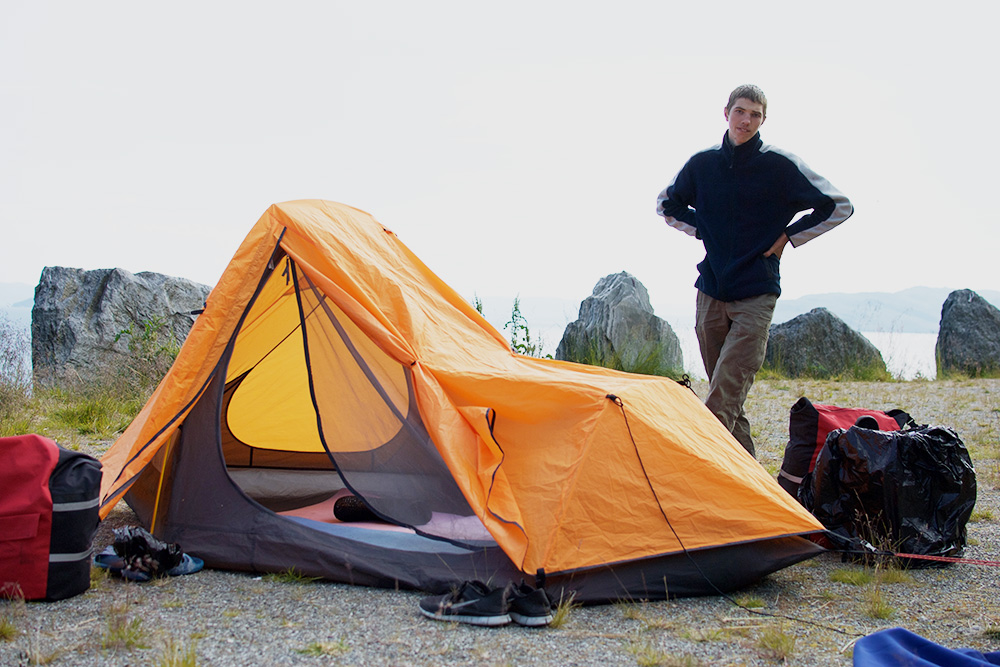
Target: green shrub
{"x":8,"y":629}
{"x":290,"y":576}
{"x":520,"y":335}
{"x":852,"y":576}
{"x":860,"y":371}
{"x":564,"y":607}
{"x":647,"y":361}
{"x":984,"y":372}
{"x":981,"y":516}
{"x":102,"y":405}
{"x":874,"y":604}
{"x":95,"y":413}
{"x":122,"y":630}
{"x":749,"y":601}
{"x":777,"y":643}
{"x":152,"y":350}
{"x":176,"y":655}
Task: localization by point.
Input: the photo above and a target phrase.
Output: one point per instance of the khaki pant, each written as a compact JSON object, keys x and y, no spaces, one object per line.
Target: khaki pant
{"x":732,"y":337}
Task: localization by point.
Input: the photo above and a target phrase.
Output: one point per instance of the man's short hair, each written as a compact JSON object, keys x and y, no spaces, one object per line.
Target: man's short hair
{"x":750,"y":92}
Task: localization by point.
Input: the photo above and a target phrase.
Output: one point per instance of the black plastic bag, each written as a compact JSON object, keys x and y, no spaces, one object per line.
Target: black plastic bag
{"x":908,"y":492}
{"x":144,"y":554}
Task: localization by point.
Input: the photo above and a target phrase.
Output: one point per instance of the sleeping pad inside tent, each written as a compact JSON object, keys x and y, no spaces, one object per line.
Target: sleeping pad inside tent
{"x":329,"y":361}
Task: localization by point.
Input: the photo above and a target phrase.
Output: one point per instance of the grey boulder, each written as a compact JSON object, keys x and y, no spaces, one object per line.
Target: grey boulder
{"x":819,"y":344}
{"x":79,"y":318}
{"x":968,"y":338}
{"x":616,"y":328}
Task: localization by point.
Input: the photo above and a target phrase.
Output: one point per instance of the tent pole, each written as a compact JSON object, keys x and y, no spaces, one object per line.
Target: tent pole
{"x":159,"y":488}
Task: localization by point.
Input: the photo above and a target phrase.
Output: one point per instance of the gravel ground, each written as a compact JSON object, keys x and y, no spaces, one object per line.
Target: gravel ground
{"x":231,"y":619}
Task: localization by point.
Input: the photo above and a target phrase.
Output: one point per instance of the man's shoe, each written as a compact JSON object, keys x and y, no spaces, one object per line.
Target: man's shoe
{"x":472,"y":603}
{"x":530,"y":606}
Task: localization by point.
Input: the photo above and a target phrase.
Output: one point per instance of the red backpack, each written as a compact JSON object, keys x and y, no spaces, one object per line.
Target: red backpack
{"x":48,"y":518}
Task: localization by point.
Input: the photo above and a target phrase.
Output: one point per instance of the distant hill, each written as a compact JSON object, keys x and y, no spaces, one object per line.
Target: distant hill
{"x":16,"y":301}
{"x":12,"y":294}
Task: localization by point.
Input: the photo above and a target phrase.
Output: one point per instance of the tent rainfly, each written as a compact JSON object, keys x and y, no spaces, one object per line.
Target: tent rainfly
{"x":329,"y":361}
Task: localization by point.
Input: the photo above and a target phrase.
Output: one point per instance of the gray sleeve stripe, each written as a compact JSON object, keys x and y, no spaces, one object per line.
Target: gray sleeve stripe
{"x":793,"y":478}
{"x":842,"y":209}
{"x":681,"y":225}
{"x":842,"y":212}
{"x":76,"y":506}
{"x":690,"y":230}
{"x":70,"y":558}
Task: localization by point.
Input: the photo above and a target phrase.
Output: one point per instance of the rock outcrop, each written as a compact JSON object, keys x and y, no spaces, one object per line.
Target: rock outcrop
{"x":819,"y":344}
{"x":968,"y":340}
{"x":79,"y":318}
{"x":617,"y":329}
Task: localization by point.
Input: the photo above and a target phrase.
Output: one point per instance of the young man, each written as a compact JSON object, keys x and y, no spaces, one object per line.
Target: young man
{"x":740,"y":198}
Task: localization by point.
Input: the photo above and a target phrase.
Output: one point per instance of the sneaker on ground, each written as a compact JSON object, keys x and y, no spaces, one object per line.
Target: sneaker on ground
{"x":472,"y":603}
{"x":530,"y":606}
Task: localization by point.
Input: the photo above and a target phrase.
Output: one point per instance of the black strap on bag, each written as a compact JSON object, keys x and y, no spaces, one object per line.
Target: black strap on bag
{"x":75,"y":486}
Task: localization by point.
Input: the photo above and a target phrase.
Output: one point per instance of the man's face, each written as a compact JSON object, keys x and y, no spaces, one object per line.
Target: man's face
{"x":745,"y":118}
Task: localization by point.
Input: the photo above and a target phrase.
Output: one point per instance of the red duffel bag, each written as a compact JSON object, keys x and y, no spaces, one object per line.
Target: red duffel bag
{"x":808,"y":425}
{"x":48,"y":518}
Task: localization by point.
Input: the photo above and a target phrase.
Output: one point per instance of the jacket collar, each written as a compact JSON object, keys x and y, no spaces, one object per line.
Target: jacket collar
{"x":743,"y":151}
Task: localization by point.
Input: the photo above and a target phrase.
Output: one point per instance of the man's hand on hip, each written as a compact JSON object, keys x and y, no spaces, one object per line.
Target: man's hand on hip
{"x":778,"y":247}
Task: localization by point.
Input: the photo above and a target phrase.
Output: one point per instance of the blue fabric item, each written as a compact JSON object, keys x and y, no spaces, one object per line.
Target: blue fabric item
{"x":188,"y":565}
{"x":898,"y":646}
{"x":109,"y":560}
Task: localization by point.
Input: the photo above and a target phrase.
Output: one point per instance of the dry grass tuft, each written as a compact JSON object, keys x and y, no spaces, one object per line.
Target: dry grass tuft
{"x":874,"y":604}
{"x":562,"y":611}
{"x":777,"y":643}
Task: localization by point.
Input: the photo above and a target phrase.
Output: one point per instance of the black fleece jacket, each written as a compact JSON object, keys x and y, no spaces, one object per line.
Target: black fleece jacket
{"x":738,"y":200}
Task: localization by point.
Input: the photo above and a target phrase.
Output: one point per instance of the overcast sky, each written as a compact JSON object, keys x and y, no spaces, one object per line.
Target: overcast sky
{"x":516,"y":147}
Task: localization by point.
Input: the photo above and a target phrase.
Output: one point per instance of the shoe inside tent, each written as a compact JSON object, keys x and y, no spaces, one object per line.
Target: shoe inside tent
{"x":330,"y":361}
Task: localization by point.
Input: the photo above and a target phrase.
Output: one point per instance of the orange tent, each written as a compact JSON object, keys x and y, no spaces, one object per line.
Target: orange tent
{"x":329,"y":361}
